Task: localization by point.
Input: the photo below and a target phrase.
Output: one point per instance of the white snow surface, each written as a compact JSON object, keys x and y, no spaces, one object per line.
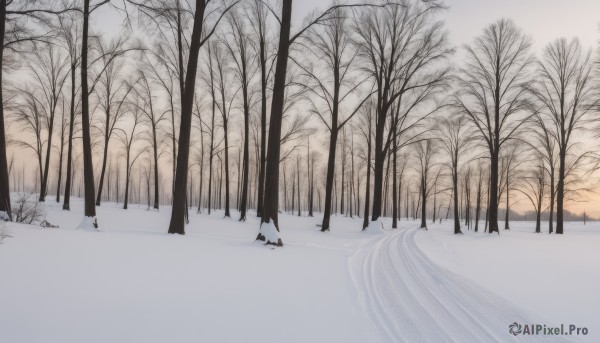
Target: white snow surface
{"x":132,"y":282}
{"x":88,"y":224}
{"x":270,"y":232}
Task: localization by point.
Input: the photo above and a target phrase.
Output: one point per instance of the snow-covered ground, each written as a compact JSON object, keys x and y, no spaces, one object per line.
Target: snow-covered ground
{"x":132,"y":282}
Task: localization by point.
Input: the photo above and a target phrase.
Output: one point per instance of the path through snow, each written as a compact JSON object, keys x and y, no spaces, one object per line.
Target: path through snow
{"x":411,"y":299}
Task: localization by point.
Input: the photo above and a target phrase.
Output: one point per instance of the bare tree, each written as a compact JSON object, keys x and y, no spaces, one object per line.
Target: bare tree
{"x":566,"y":95}
{"x":224,"y":106}
{"x":493,"y":93}
{"x":32,"y":116}
{"x":147,"y":106}
{"x":128,"y":140}
{"x":534,"y":188}
{"x":49,"y":68}
{"x":88,"y":168}
{"x":13,"y":34}
{"x":177,"y":224}
{"x":424,"y":152}
{"x":403,"y":48}
{"x":454,"y":138}
{"x":112,"y":94}
{"x":241,"y":50}
{"x":258,"y":13}
{"x":70,"y":35}
{"x":331,"y":85}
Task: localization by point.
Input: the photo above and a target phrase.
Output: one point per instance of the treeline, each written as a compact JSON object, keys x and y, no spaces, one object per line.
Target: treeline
{"x":362,"y":110}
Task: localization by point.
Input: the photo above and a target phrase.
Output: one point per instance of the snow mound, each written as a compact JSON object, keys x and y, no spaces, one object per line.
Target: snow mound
{"x":269,"y":232}
{"x":4,"y":216}
{"x":375,"y":227}
{"x":88,"y":224}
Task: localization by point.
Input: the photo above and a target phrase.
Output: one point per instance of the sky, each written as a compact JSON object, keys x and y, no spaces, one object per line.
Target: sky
{"x":544,"y":20}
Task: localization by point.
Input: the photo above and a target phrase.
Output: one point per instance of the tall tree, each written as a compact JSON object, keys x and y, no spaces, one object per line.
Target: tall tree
{"x":71,"y":35}
{"x":425,"y":151}
{"x":403,"y":48}
{"x":241,"y":49}
{"x":258,"y":13}
{"x":197,"y":40}
{"x":12,"y":35}
{"x":128,"y":140}
{"x":154,"y":118}
{"x":224,"y":106}
{"x":331,"y":85}
{"x":49,"y":68}
{"x":493,"y":93}
{"x":89,"y":222}
{"x":566,"y":95}
{"x":454,"y":138}
{"x":112,"y":94}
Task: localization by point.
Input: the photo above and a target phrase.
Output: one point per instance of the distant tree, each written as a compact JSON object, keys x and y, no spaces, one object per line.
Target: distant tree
{"x":424,"y":153}
{"x":31,"y":115}
{"x":49,"y":68}
{"x":70,"y":35}
{"x":241,"y":50}
{"x":154,"y":117}
{"x":533,"y":186}
{"x":112,"y":93}
{"x":454,"y":139}
{"x":128,"y":139}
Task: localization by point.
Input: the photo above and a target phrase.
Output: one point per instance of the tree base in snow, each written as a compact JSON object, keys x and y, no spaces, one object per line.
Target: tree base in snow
{"x":89,"y":224}
{"x":268,"y":233}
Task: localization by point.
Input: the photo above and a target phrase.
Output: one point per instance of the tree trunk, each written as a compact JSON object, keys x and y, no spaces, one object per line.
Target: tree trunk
{"x":378,"y":165}
{"x":263,"y":126}
{"x":478,"y":205}
{"x":560,"y":193}
{"x":4,"y":183}
{"x":493,"y":193}
{"x":367,"y":182}
{"x":88,"y":167}
{"x":244,"y":202}
{"x":455,"y":196}
{"x":271,"y":199}
{"x":60,"y":161}
{"x":127,"y":179}
{"x":424,"y":202}
{"x":104,"y":160}
{"x":177,"y":224}
{"x":329,"y":180}
{"x":44,"y":184}
{"x":552,"y":194}
{"x":155,"y":146}
{"x":394,"y":182}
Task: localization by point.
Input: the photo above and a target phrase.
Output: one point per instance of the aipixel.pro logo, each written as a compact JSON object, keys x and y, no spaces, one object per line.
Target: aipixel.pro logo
{"x":516,"y":329}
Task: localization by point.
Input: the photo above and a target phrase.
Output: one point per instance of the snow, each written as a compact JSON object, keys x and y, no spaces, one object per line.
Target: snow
{"x":269,"y":231}
{"x":375,"y":227}
{"x":88,"y":224}
{"x":3,"y":216}
{"x":132,"y":282}
{"x":555,"y":276}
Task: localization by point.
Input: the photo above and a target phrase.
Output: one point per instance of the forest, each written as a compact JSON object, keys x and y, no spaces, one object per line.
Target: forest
{"x":362,"y":110}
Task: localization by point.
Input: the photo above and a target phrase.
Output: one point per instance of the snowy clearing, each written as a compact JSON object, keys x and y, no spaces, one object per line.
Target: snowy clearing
{"x":134,"y":283}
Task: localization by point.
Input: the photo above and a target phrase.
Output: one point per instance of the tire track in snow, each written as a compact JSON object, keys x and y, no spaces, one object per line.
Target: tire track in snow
{"x":408,"y":298}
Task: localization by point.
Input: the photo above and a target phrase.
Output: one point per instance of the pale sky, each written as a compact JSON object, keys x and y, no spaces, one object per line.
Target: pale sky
{"x":544,"y":20}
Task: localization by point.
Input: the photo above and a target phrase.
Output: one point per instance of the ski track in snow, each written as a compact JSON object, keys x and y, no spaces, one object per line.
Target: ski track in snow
{"x":408,"y":298}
